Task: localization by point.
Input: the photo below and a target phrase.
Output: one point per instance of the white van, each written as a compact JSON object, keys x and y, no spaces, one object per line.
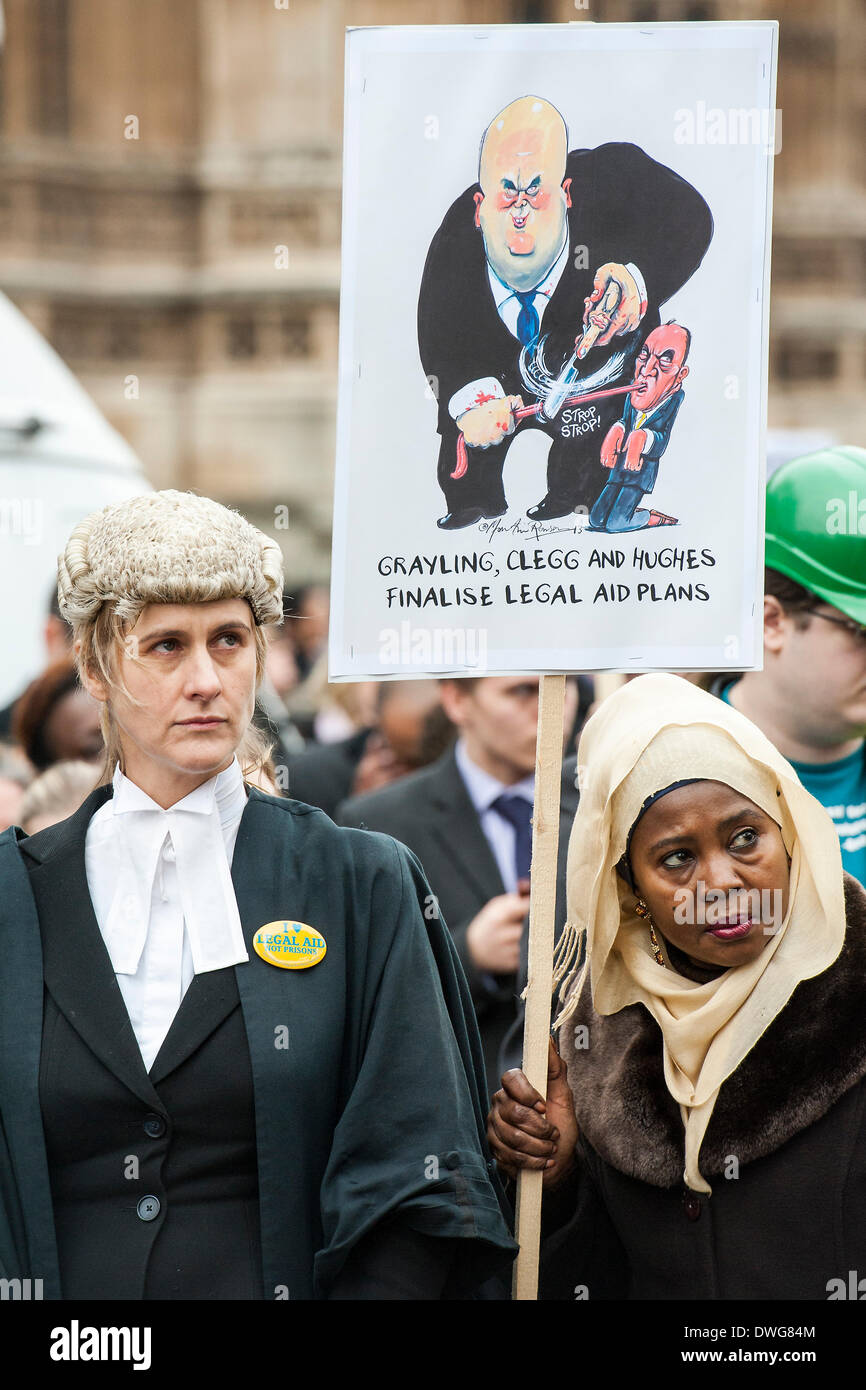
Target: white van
{"x":59,"y":460}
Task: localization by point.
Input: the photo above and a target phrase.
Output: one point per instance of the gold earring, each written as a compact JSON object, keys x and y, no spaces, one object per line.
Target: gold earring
{"x":643,"y":911}
{"x":657,"y":950}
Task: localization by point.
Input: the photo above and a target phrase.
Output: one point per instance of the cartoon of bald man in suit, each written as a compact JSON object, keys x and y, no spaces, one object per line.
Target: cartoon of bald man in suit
{"x":571,"y":251}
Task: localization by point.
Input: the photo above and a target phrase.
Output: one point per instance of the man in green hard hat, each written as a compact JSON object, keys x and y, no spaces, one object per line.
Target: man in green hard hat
{"x":810,"y":698}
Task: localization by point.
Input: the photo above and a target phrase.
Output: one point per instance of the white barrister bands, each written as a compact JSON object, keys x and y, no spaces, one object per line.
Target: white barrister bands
{"x":163,"y":894}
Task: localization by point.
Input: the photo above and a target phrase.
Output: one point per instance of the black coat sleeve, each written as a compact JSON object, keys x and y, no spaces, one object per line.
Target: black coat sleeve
{"x":393,"y":1262}
{"x":582,"y":1256}
{"x":395,"y":818}
{"x":410,"y":1144}
{"x":460,"y":335}
{"x":484,"y":988}
{"x":633,"y":209}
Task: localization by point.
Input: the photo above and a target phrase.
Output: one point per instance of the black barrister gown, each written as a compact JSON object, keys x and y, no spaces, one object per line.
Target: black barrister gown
{"x":364,"y":1072}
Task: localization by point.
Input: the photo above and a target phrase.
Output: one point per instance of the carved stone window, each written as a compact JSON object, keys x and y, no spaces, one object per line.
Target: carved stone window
{"x":241,"y":336}
{"x":124,"y":336}
{"x":795,"y":362}
{"x":77,"y":333}
{"x":261,"y":221}
{"x":294,"y":335}
{"x":799,"y":262}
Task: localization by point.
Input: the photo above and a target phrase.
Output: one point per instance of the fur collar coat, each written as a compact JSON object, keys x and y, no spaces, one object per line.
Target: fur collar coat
{"x":812,"y":1053}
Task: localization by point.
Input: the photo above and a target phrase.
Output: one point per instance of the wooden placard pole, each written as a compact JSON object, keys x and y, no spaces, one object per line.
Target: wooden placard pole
{"x":542,"y":926}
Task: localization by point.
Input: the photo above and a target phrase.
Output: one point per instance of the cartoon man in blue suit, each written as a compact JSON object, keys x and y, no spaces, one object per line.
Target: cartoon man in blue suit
{"x":633,"y":445}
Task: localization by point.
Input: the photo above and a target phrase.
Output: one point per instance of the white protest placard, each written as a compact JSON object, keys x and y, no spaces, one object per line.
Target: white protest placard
{"x":553,"y":349}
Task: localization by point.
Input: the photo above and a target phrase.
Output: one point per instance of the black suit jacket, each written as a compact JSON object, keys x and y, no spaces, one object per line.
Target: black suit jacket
{"x":330,"y":1062}
{"x":626,"y":207}
{"x":323,"y":774}
{"x":431,"y":812}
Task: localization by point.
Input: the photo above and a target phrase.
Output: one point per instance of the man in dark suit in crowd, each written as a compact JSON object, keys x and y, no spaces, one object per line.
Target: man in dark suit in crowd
{"x":467,"y":818}
{"x":569,"y":252}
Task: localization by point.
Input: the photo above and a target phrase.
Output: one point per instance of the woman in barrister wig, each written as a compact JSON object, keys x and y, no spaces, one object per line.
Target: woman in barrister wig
{"x":704,"y":1134}
{"x":183,"y":1116}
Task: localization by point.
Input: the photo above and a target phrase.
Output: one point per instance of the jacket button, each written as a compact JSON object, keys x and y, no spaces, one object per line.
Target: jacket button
{"x":692,"y":1205}
{"x":154,"y":1126}
{"x":148,"y":1208}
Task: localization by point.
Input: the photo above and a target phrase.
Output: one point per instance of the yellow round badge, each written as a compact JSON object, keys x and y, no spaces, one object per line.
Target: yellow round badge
{"x":290,"y":945}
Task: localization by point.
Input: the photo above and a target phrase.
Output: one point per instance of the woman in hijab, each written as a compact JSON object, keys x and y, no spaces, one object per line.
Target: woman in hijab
{"x":704,"y":1134}
{"x":219,"y":1013}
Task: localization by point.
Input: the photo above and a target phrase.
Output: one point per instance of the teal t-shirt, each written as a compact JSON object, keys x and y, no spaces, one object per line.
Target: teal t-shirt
{"x":841,"y":789}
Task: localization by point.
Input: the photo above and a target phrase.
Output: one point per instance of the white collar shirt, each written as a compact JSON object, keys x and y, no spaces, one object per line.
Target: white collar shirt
{"x":160,"y":883}
{"x":499,"y":833}
{"x":508,"y":305}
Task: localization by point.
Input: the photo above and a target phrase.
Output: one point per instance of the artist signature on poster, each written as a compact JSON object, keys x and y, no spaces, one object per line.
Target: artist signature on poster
{"x":534,"y":530}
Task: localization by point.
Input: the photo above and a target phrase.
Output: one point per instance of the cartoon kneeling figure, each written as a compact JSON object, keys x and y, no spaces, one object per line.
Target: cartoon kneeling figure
{"x":633,"y":446}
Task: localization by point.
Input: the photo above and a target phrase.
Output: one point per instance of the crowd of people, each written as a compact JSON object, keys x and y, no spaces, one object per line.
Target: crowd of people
{"x":707,"y":1044}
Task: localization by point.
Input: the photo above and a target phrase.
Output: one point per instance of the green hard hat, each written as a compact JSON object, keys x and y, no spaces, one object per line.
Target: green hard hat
{"x":816,"y":526}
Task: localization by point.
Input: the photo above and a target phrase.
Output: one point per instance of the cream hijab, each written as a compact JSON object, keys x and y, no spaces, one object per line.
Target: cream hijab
{"x":654,"y":731}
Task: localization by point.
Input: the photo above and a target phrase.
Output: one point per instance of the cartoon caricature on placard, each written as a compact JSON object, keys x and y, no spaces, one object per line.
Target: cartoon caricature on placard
{"x":554,"y":345}
{"x":541,"y":285}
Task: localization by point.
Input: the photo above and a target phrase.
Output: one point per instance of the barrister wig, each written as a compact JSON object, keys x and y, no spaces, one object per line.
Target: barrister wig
{"x":167,"y":547}
{"x":163,"y":547}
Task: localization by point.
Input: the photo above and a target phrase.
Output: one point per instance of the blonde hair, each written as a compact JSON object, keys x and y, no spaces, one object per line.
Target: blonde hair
{"x":98,"y":641}
{"x":58,"y":792}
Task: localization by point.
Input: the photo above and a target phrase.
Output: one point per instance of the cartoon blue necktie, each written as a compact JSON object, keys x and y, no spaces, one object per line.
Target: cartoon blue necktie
{"x":528,"y":322}
{"x":518,"y":812}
